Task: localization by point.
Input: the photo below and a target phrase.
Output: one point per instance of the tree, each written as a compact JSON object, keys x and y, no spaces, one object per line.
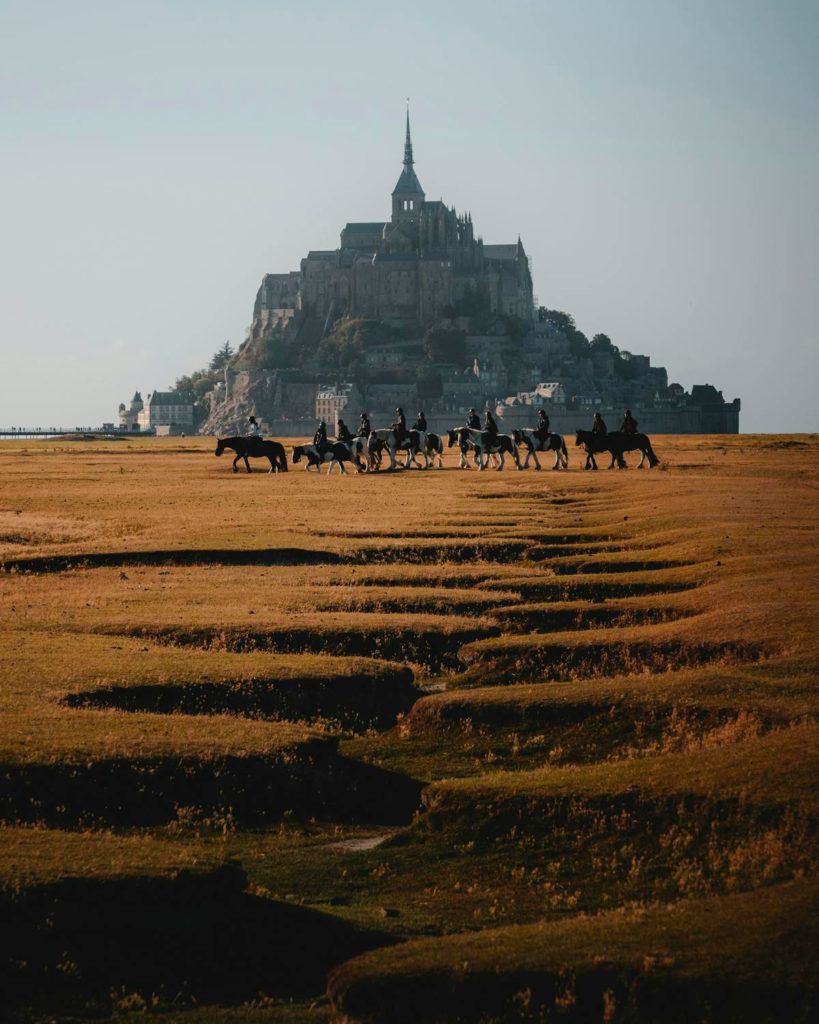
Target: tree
{"x":562,"y":322}
{"x":601,"y":343}
{"x":221,"y":358}
{"x":445,"y":345}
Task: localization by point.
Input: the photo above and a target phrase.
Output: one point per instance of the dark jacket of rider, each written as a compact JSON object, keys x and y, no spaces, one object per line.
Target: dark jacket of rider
{"x":629,"y":424}
{"x":343,"y":434}
{"x":364,"y":425}
{"x":489,"y":424}
{"x":420,"y":423}
{"x":599,"y":425}
{"x":473,"y":421}
{"x":542,"y":424}
{"x":400,"y":425}
{"x":320,"y":437}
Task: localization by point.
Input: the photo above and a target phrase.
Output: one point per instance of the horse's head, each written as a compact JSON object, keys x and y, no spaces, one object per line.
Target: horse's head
{"x":452,"y":435}
{"x":298,"y":451}
{"x":579,"y":439}
{"x":220,"y":446}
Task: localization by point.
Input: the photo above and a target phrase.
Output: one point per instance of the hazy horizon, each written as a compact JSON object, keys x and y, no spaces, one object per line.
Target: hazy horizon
{"x":658,"y":159}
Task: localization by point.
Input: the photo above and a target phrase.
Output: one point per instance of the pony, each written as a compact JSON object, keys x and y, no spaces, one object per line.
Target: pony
{"x":550,"y":443}
{"x":413,"y":443}
{"x":254,"y":448}
{"x":615,"y":443}
{"x":435,"y":450}
{"x":479,"y":441}
{"x":336,"y":453}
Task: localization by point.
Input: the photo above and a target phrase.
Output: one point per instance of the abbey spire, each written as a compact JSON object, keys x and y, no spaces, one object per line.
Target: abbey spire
{"x":407,"y":196}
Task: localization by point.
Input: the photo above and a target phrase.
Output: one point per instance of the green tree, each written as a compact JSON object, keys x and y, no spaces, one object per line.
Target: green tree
{"x":221,"y":357}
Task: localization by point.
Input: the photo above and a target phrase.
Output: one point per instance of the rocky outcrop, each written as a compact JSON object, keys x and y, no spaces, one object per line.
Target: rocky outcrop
{"x":268,"y":395}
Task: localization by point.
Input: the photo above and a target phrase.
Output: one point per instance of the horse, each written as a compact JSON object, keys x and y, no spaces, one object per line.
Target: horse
{"x":484,"y":446}
{"x":435,"y":450}
{"x":336,"y":453}
{"x":535,"y":443}
{"x":254,"y":448}
{"x":413,"y":443}
{"x":616,"y":443}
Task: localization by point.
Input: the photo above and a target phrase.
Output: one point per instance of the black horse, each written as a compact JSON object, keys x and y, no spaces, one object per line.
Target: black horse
{"x":254,"y":448}
{"x":616,"y":443}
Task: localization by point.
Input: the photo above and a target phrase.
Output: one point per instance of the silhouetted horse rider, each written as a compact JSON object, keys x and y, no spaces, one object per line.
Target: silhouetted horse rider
{"x":399,"y":428}
{"x":629,"y":424}
{"x":599,"y":428}
{"x":364,"y":425}
{"x":542,"y":428}
{"x":473,"y":421}
{"x":420,"y":423}
{"x":320,"y":438}
{"x":343,"y":434}
{"x":490,"y":427}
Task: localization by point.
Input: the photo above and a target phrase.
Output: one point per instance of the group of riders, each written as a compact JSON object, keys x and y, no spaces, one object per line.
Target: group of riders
{"x":488,"y":429}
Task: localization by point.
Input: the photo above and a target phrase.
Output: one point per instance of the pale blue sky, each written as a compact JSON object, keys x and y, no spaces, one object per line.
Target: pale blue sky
{"x":659,"y":158}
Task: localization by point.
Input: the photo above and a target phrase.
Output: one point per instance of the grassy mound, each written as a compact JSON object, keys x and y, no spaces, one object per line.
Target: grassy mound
{"x":741,"y":957}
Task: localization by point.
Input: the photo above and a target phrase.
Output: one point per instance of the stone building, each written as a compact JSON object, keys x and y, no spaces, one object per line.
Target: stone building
{"x":411,"y":268}
{"x":129,"y":416}
{"x":162,"y":412}
{"x":332,"y":401}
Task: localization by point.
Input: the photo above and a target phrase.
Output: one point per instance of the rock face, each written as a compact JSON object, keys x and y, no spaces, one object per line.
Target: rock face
{"x":269,"y":395}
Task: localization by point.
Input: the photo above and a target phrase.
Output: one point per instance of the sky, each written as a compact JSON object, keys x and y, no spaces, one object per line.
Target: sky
{"x":659,"y":159}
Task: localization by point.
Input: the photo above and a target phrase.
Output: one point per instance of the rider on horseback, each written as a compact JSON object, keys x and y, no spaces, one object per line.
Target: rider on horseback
{"x":629,"y":424}
{"x":490,"y":427}
{"x":599,"y":425}
{"x":363,"y":425}
{"x":542,"y":428}
{"x":342,"y":433}
{"x":473,"y":421}
{"x":320,"y":438}
{"x":254,"y":432}
{"x":399,"y":428}
{"x":420,"y":423}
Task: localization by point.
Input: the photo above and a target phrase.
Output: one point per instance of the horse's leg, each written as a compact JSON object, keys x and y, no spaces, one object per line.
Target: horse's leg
{"x":273,"y":464}
{"x":235,"y":467}
{"x":247,"y":463}
{"x":642,"y":458}
{"x":500,"y":467}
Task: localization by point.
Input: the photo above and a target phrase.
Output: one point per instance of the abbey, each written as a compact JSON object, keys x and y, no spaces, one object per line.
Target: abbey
{"x":411,"y":268}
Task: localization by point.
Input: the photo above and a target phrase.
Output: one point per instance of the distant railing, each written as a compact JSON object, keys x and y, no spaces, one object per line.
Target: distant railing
{"x":30,"y":432}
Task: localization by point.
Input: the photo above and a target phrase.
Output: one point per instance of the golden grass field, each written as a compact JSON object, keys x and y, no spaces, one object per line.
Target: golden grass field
{"x":411,"y":746}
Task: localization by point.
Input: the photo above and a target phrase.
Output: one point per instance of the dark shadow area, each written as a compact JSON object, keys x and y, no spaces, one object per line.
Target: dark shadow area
{"x":434,"y":649}
{"x":193,"y":556}
{"x":310,"y":780}
{"x":356,"y":703}
{"x":76,"y":946}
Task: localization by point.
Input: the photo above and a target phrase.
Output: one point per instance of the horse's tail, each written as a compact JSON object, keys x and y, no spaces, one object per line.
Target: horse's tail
{"x":282,"y":459}
{"x":563,"y":448}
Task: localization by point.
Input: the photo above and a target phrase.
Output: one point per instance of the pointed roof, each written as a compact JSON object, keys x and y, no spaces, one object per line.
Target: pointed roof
{"x":408,"y":183}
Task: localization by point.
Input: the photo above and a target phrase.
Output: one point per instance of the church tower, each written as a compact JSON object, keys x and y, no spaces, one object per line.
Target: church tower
{"x":407,"y":196}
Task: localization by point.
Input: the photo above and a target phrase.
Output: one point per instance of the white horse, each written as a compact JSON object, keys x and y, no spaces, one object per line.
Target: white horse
{"x":414,"y":443}
{"x":469,"y":437}
{"x":549,"y":443}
